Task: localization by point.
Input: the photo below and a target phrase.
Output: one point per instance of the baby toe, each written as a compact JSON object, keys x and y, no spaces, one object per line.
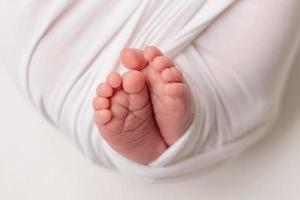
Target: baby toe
{"x":172,"y":74}
{"x":100,"y":103}
{"x":133,"y":81}
{"x":114,"y":79}
{"x":102,"y":117}
{"x":133,"y":59}
{"x":104,"y":90}
{"x":151,"y":52}
{"x":161,"y":62}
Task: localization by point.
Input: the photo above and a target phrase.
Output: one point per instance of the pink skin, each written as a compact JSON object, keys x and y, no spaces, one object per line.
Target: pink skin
{"x":146,"y":110}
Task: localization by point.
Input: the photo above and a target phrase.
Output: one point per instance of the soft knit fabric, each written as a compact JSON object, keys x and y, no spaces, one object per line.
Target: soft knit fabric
{"x":235,"y":56}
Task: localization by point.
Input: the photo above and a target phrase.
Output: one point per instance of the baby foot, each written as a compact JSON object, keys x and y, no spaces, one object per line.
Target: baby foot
{"x":124,"y":117}
{"x":170,"y":95}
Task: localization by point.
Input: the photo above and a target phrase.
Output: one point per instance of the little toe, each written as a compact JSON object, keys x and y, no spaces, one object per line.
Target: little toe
{"x":133,"y":81}
{"x":176,"y":90}
{"x":114,"y":80}
{"x":102,"y":117}
{"x":151,"y":52}
{"x":172,"y":74}
{"x":133,"y":59}
{"x":161,"y":62}
{"x":100,"y":103}
{"x":104,"y":90}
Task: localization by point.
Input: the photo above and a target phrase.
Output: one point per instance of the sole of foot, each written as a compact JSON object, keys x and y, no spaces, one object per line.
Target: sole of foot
{"x":169,"y":93}
{"x":124,"y":117}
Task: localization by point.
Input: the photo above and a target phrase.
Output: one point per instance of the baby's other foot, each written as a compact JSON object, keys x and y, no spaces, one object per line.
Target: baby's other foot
{"x":170,"y":95}
{"x":124,"y":117}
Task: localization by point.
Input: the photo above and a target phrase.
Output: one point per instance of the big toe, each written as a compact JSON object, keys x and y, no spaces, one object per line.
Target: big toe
{"x":133,"y":81}
{"x":133,"y":59}
{"x":151,"y":52}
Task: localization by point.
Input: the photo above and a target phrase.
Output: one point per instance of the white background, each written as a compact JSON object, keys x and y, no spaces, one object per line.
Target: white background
{"x":39,"y":162}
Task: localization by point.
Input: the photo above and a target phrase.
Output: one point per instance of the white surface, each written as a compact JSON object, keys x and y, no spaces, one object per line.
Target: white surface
{"x":37,"y":162}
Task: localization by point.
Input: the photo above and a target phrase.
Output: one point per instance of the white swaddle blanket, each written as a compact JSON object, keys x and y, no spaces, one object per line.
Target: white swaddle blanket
{"x":59,"y":51}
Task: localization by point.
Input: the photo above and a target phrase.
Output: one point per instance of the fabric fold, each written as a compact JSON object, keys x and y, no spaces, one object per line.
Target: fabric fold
{"x":59,"y":51}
